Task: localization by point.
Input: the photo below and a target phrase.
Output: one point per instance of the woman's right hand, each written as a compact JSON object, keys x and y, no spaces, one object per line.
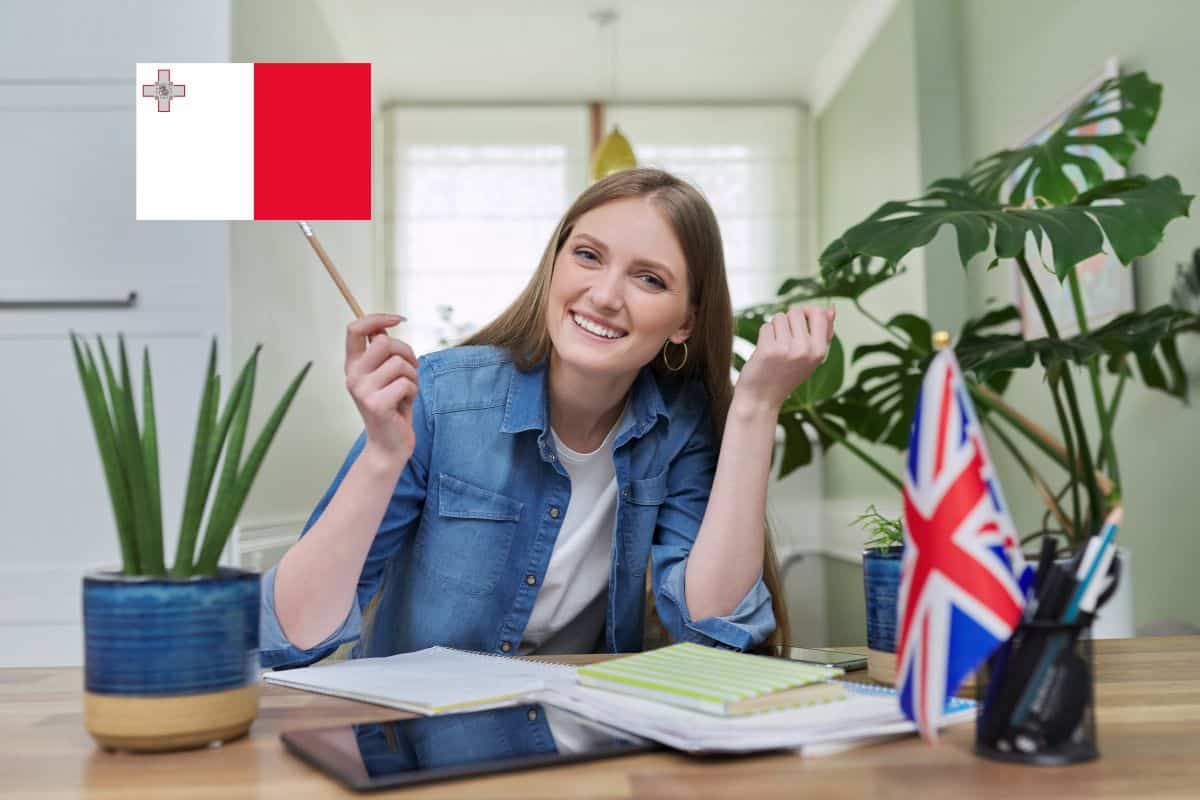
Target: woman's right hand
{"x":382,"y":379}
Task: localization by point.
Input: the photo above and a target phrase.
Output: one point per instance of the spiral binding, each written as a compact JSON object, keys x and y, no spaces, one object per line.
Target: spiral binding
{"x":555,"y":665}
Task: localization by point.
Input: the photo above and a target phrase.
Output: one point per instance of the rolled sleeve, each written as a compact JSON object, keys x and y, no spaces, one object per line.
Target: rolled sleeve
{"x":274,"y":648}
{"x":751,"y":622}
{"x":689,"y":484}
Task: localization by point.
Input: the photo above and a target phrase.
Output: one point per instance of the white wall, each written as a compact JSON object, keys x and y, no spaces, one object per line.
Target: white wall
{"x":282,"y":298}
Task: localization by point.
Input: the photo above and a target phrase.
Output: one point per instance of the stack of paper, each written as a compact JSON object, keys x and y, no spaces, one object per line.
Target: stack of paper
{"x":867,"y":714}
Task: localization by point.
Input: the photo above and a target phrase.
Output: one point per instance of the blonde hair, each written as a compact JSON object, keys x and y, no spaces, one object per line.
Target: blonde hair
{"x":521,"y":328}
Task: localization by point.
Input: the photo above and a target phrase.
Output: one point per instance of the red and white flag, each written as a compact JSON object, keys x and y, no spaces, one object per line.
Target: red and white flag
{"x":253,"y":141}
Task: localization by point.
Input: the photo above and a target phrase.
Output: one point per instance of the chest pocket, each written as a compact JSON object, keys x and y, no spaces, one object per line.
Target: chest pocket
{"x":641,"y":516}
{"x":468,"y":541}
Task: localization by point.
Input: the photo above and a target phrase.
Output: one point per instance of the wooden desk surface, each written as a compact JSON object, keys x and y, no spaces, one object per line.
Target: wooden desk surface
{"x":1148,"y":715}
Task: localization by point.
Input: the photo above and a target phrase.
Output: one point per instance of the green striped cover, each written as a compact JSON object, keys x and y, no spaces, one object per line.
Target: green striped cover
{"x":703,"y":678}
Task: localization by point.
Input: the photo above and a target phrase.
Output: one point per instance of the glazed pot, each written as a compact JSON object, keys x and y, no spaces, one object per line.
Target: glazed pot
{"x":170,"y":663}
{"x":881,"y":582}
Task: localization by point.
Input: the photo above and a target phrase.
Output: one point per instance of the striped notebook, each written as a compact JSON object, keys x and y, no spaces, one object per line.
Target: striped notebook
{"x":717,"y":681}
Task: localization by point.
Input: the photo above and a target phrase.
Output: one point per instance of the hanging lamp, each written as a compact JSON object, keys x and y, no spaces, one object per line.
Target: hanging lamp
{"x":614,"y":152}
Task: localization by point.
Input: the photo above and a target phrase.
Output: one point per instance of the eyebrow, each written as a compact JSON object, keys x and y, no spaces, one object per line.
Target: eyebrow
{"x":645,"y":262}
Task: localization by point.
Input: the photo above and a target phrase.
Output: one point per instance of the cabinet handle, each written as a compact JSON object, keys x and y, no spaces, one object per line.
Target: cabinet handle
{"x":49,"y":305}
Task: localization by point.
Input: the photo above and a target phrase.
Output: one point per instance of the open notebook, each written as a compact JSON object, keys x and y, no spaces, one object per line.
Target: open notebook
{"x":430,"y":681}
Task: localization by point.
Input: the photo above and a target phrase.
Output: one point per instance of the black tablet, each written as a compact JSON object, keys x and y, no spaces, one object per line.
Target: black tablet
{"x":418,"y":750}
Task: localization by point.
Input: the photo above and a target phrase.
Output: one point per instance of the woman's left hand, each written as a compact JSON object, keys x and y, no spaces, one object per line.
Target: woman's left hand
{"x":790,"y":348}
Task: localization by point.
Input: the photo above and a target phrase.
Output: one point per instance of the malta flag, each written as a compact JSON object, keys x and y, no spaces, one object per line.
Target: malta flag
{"x":253,"y":141}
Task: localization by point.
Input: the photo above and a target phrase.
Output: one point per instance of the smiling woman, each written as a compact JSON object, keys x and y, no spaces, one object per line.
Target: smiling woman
{"x":509,"y":494}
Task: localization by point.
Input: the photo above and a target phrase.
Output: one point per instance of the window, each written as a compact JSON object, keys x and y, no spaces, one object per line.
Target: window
{"x":475,"y":193}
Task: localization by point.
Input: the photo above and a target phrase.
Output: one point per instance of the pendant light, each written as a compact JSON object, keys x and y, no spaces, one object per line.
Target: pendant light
{"x":614,"y":153}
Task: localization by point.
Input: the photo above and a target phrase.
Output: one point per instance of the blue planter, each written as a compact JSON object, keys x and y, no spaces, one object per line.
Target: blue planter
{"x":170,"y":663}
{"x":881,"y":581}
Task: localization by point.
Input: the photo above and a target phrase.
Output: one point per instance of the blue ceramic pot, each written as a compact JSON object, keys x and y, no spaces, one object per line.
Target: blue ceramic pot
{"x":881,"y":581}
{"x":170,"y":663}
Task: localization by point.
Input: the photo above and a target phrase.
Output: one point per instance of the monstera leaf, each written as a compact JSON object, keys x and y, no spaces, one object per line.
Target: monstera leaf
{"x":1149,"y":339}
{"x":850,"y":283}
{"x":890,"y":389}
{"x":1116,"y":117}
{"x":884,"y":395}
{"x":1130,"y":212}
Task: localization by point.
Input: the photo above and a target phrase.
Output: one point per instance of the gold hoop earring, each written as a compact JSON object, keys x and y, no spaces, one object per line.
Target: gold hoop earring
{"x":668,"y":363}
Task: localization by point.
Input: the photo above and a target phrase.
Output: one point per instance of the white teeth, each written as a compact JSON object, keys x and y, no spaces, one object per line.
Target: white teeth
{"x":599,"y":330}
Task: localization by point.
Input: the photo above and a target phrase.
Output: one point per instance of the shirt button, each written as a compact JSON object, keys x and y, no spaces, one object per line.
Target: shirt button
{"x":505,"y":646}
{"x":554,"y":512}
{"x":531,"y":579}
{"x":532,"y":715}
{"x":625,"y":493}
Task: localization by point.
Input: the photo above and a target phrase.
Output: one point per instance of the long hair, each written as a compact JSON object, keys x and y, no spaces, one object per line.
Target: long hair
{"x":521,"y":328}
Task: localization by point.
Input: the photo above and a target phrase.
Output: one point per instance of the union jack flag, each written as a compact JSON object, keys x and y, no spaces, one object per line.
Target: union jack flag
{"x":963,"y":578}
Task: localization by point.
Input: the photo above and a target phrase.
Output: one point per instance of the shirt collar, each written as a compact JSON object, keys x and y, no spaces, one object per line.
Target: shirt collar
{"x":527,"y":406}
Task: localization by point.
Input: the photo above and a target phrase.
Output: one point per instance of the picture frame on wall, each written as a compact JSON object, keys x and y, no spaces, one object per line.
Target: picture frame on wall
{"x":1106,"y":285}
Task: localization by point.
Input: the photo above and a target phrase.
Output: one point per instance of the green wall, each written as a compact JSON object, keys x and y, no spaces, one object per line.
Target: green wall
{"x":1022,"y":61}
{"x":947,"y":82}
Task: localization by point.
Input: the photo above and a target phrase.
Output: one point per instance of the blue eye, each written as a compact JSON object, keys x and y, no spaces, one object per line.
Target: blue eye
{"x":655,"y":281}
{"x":583,"y":251}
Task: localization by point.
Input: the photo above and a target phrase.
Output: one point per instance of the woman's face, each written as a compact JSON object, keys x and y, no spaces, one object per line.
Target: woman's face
{"x":619,"y":289}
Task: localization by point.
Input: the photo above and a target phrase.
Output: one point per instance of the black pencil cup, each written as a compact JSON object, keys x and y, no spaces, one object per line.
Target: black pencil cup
{"x":1036,"y":697}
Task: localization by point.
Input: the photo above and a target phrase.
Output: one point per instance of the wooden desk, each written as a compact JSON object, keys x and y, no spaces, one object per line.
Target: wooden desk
{"x":1148,"y":712}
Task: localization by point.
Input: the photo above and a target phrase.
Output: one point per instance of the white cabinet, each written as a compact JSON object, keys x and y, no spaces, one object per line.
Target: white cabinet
{"x":67,"y":223}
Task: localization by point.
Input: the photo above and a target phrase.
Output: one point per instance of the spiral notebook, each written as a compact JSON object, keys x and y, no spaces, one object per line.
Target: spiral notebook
{"x":431,"y":681}
{"x":715,"y":681}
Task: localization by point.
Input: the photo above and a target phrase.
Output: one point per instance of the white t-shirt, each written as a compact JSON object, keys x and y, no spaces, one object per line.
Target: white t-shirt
{"x":568,"y":615}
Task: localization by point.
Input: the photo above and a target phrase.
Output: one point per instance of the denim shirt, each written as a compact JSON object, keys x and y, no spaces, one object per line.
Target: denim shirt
{"x":467,"y":536}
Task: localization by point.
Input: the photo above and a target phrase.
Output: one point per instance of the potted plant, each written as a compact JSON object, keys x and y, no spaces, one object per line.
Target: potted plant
{"x":1048,"y":199}
{"x":171,"y":656}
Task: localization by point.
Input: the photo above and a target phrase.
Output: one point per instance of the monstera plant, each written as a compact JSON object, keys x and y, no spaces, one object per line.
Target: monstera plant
{"x":1050,"y":203}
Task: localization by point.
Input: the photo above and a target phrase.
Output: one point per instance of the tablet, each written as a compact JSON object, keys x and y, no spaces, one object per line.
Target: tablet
{"x":423,"y":749}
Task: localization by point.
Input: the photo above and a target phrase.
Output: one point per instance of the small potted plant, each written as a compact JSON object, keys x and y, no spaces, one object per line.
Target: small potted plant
{"x":171,"y":656}
{"x":882,"y":554}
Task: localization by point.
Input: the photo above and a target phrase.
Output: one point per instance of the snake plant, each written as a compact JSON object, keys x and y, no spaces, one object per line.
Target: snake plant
{"x":129,"y":455}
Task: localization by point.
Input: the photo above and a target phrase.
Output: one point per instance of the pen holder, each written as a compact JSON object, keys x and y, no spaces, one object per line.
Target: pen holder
{"x":1036,"y":698}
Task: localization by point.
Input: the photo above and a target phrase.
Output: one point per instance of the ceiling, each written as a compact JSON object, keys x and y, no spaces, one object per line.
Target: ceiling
{"x":549,"y":50}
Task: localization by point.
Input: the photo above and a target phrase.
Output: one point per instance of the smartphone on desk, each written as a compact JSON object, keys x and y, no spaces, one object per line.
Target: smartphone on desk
{"x":825,"y":658}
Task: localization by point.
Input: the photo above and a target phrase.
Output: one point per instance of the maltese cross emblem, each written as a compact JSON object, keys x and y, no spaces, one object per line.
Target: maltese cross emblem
{"x":164,"y":90}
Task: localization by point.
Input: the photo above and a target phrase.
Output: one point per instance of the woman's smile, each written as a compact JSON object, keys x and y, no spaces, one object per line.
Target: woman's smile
{"x":594,"y":328}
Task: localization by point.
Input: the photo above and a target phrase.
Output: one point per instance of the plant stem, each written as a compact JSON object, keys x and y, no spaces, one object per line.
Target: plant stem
{"x":1036,"y":434}
{"x":1072,"y":476}
{"x":1112,"y":412}
{"x":886,"y":473}
{"x":1047,"y":496}
{"x":1107,"y":450}
{"x":883,"y":325}
{"x":1089,"y":479}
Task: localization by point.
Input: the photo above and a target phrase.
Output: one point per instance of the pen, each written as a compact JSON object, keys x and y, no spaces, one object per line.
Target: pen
{"x":1058,"y":641}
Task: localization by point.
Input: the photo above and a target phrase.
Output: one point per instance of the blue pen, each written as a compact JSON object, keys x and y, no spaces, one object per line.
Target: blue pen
{"x":1106,"y":537}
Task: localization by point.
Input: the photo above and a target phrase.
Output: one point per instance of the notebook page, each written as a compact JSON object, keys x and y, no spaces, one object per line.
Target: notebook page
{"x":427,"y":681}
